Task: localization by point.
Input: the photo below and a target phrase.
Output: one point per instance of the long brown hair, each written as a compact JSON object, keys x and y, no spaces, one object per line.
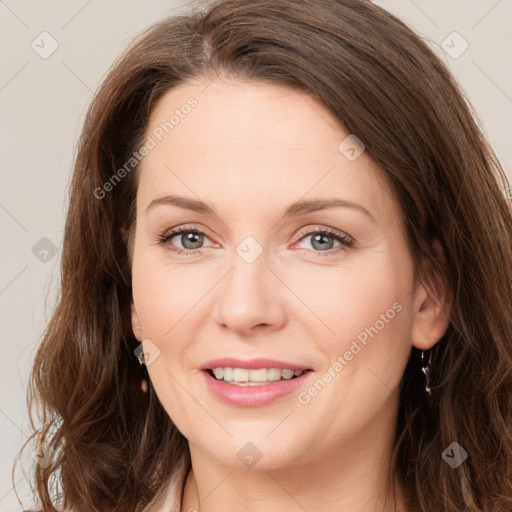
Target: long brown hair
{"x":115,"y":446}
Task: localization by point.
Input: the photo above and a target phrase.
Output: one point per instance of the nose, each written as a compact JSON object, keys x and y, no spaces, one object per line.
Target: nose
{"x":250,"y":298}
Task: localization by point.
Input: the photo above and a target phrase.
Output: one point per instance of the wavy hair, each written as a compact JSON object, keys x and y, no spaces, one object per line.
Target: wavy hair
{"x":115,"y":446}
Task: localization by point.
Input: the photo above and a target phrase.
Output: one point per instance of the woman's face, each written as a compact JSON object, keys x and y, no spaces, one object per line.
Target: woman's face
{"x":292,"y":256}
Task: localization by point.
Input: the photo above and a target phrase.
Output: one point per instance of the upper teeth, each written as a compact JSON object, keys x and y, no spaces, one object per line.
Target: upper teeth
{"x":259,"y":375}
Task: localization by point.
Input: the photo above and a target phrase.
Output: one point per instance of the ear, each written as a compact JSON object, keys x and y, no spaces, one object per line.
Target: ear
{"x":432,"y":304}
{"x":135,"y":322}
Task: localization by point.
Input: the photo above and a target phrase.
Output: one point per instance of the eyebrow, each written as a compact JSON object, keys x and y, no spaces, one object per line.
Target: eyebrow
{"x":300,"y":207}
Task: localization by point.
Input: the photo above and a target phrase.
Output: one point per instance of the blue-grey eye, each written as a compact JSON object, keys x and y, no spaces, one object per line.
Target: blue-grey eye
{"x":322,"y":241}
{"x":190,"y":239}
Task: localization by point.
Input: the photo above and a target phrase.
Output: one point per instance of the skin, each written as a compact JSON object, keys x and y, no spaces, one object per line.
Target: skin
{"x":250,"y":150}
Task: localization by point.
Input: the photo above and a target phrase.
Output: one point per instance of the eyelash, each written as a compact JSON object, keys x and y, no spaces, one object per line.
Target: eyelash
{"x":345,"y":241}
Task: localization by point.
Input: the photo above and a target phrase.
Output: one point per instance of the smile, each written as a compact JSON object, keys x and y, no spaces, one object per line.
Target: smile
{"x":248,"y":393}
{"x":253,"y":377}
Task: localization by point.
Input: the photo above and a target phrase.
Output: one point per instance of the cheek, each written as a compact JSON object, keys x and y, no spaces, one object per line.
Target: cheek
{"x":163,"y":294}
{"x":363,"y":314}
{"x":368,"y":308}
{"x":351,"y":297}
{"x":164,"y":299}
{"x":379,"y":323}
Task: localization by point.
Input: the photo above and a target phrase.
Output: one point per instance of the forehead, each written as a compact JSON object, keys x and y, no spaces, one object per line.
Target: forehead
{"x":254,"y":140}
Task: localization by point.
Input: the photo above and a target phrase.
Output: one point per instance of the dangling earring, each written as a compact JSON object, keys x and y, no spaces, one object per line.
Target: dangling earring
{"x":144,"y":385}
{"x":427,"y":370}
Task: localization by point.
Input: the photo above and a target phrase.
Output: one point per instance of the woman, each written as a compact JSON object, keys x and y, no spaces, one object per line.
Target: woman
{"x":286,"y":277}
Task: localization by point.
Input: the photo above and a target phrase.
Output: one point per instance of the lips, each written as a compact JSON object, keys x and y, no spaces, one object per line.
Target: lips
{"x":255,"y":395}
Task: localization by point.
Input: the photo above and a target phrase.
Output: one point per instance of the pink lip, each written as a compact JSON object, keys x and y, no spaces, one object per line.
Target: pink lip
{"x":252,"y":364}
{"x":252,"y":396}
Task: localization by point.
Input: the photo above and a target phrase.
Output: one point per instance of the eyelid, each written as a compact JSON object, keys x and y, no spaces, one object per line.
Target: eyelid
{"x":186,"y":227}
{"x":322,"y":229}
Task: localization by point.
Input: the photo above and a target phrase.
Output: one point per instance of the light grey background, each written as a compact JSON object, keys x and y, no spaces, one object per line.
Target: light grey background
{"x":43,"y":101}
